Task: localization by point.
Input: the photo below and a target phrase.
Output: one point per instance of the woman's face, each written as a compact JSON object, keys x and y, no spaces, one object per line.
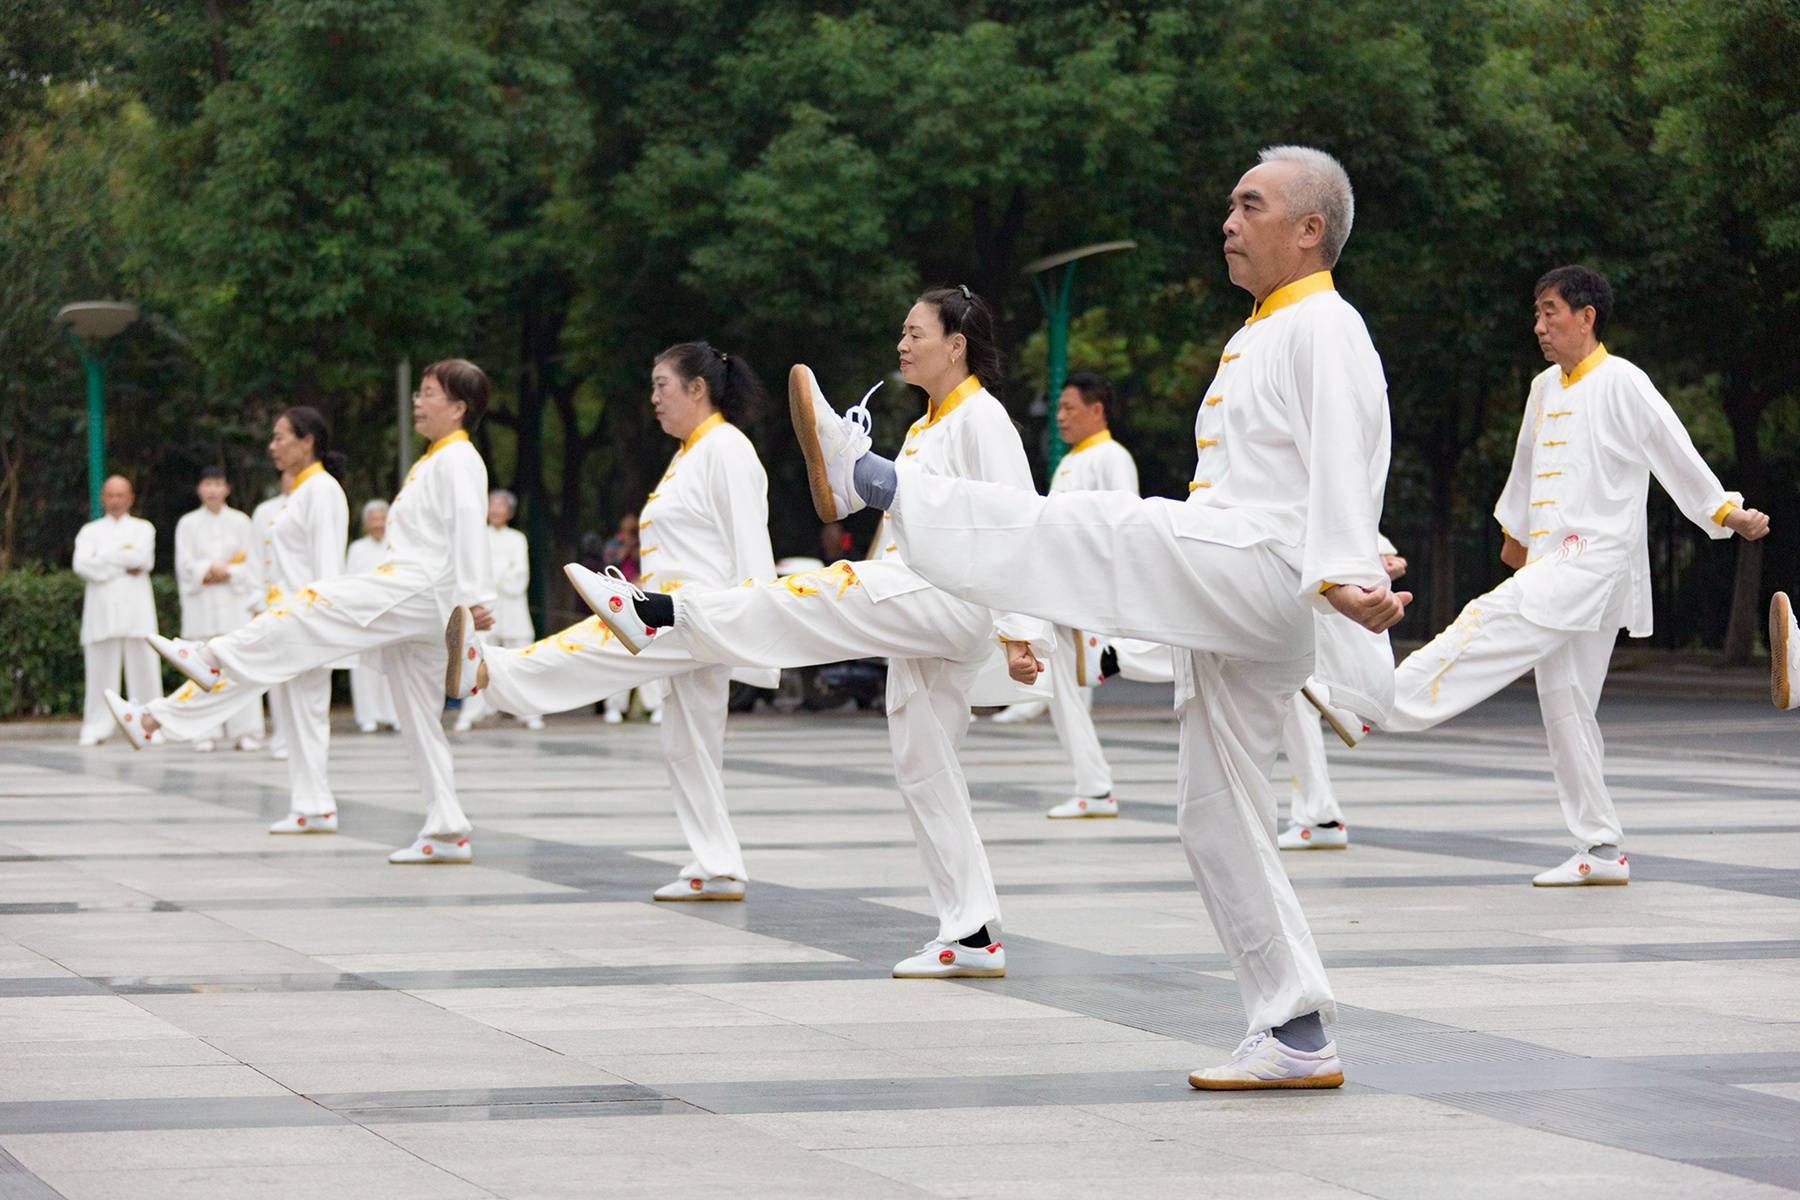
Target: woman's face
{"x":287,"y":452}
{"x":680,"y":405}
{"x":927,"y":356}
{"x":435,"y":414}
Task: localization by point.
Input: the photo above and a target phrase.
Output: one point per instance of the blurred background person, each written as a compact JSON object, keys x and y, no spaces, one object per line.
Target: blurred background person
{"x":370,"y":698}
{"x":512,"y":613}
{"x":218,"y":577}
{"x":113,"y":556}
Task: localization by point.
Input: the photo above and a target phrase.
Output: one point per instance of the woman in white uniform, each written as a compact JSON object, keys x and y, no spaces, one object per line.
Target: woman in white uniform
{"x":440,"y":560}
{"x":370,"y":699}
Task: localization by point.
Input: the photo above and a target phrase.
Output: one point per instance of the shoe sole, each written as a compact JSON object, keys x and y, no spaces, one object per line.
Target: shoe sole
{"x":1781,"y":689}
{"x":1334,"y":1080}
{"x":432,"y":862}
{"x":1310,"y":849}
{"x":629,"y":643}
{"x":1336,"y":726}
{"x":806,"y":430}
{"x":120,"y":722}
{"x":967,"y":973}
{"x":301,"y":832}
{"x":1082,"y":816}
{"x":1584,"y":883}
{"x":697,"y":899}
{"x":456,"y":636}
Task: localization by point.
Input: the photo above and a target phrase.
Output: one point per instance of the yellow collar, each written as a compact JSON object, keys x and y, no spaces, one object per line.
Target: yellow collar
{"x":961,"y":392}
{"x":303,"y":476}
{"x":1585,"y":367}
{"x":1091,"y":440}
{"x":455,"y":435}
{"x":701,"y":430}
{"x":1292,"y":293}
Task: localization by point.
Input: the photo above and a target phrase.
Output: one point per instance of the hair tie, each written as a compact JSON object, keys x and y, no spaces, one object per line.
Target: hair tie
{"x":965,"y":292}
{"x":724,"y":357}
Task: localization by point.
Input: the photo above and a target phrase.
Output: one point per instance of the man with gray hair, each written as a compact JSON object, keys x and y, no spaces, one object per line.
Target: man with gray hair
{"x":512,"y":615}
{"x":1280,"y":522}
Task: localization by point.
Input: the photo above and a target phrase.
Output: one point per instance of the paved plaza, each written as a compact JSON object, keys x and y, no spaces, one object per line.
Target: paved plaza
{"x":192,"y":1008}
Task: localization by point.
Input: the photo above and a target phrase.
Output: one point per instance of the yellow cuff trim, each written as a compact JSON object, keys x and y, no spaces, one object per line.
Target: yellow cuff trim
{"x":1724,"y":511}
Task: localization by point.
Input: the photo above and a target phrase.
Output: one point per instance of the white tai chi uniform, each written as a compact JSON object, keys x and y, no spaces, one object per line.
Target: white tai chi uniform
{"x":1095,"y":464}
{"x":118,"y":611}
{"x":400,"y":608}
{"x":1286,"y":495}
{"x":370,"y":698}
{"x":1587,"y":446}
{"x":512,"y":629}
{"x":204,"y":538}
{"x":936,"y":647}
{"x":262,"y":521}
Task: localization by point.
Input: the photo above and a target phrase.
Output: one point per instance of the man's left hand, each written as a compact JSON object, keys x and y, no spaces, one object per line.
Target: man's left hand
{"x":1021,"y":663}
{"x":483,"y":618}
{"x":1375,"y":609}
{"x":1748,"y":523}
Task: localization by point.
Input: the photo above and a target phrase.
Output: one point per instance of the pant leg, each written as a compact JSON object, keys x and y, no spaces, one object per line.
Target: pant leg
{"x":143,"y":671}
{"x":101,"y":661}
{"x":1569,"y":680}
{"x":1303,"y":744}
{"x":306,"y":713}
{"x":578,"y":666}
{"x":1487,"y":647}
{"x":1225,"y":814}
{"x":414,"y":668}
{"x":1069,"y":712}
{"x":651,"y":695}
{"x":246,"y":722}
{"x":693,"y":742}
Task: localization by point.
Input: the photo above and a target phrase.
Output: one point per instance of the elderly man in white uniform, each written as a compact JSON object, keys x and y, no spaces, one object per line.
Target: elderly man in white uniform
{"x":440,"y":561}
{"x":371,"y":701}
{"x":1280,"y":522}
{"x":113,"y":556}
{"x":1594,"y":430}
{"x":1095,"y":463}
{"x":219,"y":580}
{"x":512,"y":613}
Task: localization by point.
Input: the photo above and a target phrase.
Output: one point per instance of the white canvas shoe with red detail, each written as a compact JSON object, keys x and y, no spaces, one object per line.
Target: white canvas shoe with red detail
{"x":189,"y":658}
{"x":128,"y":717}
{"x":1349,"y":727}
{"x":1585,"y":870}
{"x":614,"y":600}
{"x":719,"y":887}
{"x":830,"y":444}
{"x":1314,"y":837}
{"x":462,"y":666}
{"x":306,"y":823}
{"x":1784,"y":653}
{"x":953,"y":960}
{"x":1263,"y":1062}
{"x":429,"y":851}
{"x":1078,"y":808}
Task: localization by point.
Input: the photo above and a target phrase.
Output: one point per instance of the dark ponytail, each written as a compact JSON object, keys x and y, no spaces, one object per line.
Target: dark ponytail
{"x":962,"y":311}
{"x":307,"y":422}
{"x":731,"y":385}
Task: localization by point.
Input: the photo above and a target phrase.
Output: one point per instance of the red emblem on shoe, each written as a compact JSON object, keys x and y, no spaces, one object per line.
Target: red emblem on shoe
{"x":695,"y":885}
{"x":1583,"y":869}
{"x":1306,"y":835}
{"x":425,"y":849}
{"x":181,"y":654}
{"x":463,"y":843}
{"x":615,"y":604}
{"x":649,"y":632}
{"x":1093,"y":641}
{"x":946,"y":957}
{"x":1621,"y":860}
{"x":472,"y":653}
{"x":128,"y":716}
{"x":301,"y":821}
{"x":1083,"y":804}
{"x":994,"y":948}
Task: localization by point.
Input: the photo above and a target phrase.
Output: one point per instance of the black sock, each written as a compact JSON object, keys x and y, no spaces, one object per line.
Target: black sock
{"x":1109,"y":664}
{"x":1302,"y":1033}
{"x":1329,"y":824}
{"x":979,"y":940}
{"x":657,"y":610}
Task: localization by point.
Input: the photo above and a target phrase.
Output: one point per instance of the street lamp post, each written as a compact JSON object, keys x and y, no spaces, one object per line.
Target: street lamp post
{"x":1056,"y":312}
{"x":92,"y":325}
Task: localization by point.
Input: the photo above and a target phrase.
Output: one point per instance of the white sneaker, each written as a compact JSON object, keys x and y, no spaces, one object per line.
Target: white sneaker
{"x":613,"y":599}
{"x":953,"y":960}
{"x":247,"y":744}
{"x":129,"y":718}
{"x":1077,"y":808}
{"x":1024,"y":710}
{"x":279,"y":753}
{"x":1314,"y":837}
{"x":463,"y":662}
{"x":186,"y":657}
{"x":656,"y":716}
{"x":719,"y":887}
{"x":367,"y":727}
{"x":305,"y":823}
{"x":1349,"y":727}
{"x":428,"y":851}
{"x":205,"y":746}
{"x":461,"y":726}
{"x":1584,"y":870}
{"x":534,"y":723}
{"x":612,"y":718}
{"x":1784,"y":652}
{"x":1261,"y":1061}
{"x":88,"y":740}
{"x":831,"y":444}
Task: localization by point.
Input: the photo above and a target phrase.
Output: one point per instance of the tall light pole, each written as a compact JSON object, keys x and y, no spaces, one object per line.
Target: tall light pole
{"x":1056,"y":311}
{"x":92,"y":324}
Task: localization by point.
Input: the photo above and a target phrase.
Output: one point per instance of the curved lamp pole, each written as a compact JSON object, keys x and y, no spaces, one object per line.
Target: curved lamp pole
{"x":1056,"y":311}
{"x":93,"y":324}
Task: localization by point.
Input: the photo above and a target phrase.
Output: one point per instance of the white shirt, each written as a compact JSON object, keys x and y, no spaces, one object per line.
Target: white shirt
{"x":706,"y":524}
{"x":204,"y":538}
{"x":1096,"y":464}
{"x":1293,"y":440}
{"x":512,"y":575}
{"x":1588,"y":444}
{"x":307,"y":536}
{"x":262,"y":523}
{"x":116,"y":604}
{"x":364,"y":555}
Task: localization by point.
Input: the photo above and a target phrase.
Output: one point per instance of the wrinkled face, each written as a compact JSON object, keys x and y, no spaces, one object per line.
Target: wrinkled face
{"x":116,"y":496}
{"x":1076,"y":419}
{"x":435,"y":414}
{"x":927,"y":354}
{"x":499,"y":512}
{"x":287,"y":452}
{"x":375,"y":523}
{"x":1263,"y":242}
{"x":1563,"y":333}
{"x":213,"y":493}
{"x":679,"y":404}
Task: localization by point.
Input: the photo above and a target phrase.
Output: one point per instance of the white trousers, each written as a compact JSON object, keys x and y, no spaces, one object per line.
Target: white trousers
{"x":1110,"y":562}
{"x":370,"y":698}
{"x":1314,"y":801}
{"x":407,"y":643}
{"x":1489,"y":645}
{"x":104,"y":660}
{"x":476,"y":707}
{"x":1071,"y":712}
{"x":305,"y":706}
{"x":650,"y":695}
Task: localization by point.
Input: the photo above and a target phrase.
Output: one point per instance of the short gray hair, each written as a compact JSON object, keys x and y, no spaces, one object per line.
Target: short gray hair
{"x":1322,"y":186}
{"x":512,"y":501}
{"x":375,"y":505}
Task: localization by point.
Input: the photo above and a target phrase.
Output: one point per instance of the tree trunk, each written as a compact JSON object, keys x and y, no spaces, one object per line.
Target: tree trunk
{"x":1744,"y":409}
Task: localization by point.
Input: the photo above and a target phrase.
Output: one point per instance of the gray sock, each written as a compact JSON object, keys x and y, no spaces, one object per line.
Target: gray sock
{"x":875,"y":480}
{"x":1302,"y":1033}
{"x":1604,"y":850}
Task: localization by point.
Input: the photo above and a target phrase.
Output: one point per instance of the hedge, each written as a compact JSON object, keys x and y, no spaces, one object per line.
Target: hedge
{"x":40,"y":639}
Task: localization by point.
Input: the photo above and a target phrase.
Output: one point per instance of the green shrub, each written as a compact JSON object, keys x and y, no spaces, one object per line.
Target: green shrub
{"x":40,"y":639}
